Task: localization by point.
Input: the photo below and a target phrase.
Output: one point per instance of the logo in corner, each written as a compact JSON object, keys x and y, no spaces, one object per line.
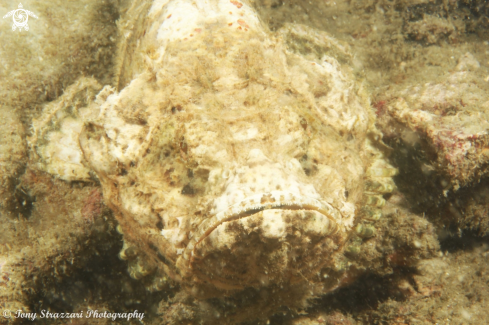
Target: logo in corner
{"x":20,"y":18}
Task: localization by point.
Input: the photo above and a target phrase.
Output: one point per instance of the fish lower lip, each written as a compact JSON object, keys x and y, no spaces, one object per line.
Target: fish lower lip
{"x":254,"y":204}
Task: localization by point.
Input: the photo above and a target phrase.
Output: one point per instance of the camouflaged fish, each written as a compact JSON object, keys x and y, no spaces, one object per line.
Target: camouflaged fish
{"x":234,"y":158}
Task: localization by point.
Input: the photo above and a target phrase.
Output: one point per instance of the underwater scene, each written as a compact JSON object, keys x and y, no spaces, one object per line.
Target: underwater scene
{"x":296,"y":162}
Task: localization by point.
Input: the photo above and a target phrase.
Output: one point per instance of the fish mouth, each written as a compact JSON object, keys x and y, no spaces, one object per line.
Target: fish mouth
{"x":273,"y":200}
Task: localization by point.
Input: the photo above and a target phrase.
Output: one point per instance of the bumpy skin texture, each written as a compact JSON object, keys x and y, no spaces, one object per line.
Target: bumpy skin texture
{"x":232,"y":158}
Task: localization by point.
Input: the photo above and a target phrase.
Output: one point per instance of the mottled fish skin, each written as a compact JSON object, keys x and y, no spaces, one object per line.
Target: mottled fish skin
{"x":231,"y":158}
